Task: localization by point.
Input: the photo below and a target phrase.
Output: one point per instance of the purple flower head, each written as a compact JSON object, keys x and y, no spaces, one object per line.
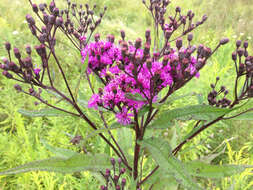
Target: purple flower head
{"x":94,"y":101}
{"x":82,"y":38}
{"x":124,"y":117}
{"x":37,"y":70}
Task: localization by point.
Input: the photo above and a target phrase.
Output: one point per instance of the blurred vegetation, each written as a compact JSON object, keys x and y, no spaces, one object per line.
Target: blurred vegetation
{"x":20,"y":137}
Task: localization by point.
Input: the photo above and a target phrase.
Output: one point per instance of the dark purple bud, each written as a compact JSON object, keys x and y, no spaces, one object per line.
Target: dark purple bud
{"x":56,"y":11}
{"x":59,"y":21}
{"x":7,"y":74}
{"x":41,"y":7}
{"x":212,"y":86}
{"x":117,"y":187}
{"x":51,"y":19}
{"x":30,"y":19}
{"x":52,"y":6}
{"x":102,"y":187}
{"x":222,"y":89}
{"x":123,"y":34}
{"x":223,"y":41}
{"x":113,"y":161}
{"x":234,"y":56}
{"x":116,"y":178}
{"x":149,"y":63}
{"x":97,"y":37}
{"x":178,"y":9}
{"x":238,"y":43}
{"x":246,"y":53}
{"x":28,"y":62}
{"x":35,"y":8}
{"x":123,"y":170}
{"x":46,"y":18}
{"x":7,"y":46}
{"x":147,"y":34}
{"x":246,"y":44}
{"x":17,"y":53}
{"x":123,"y":182}
{"x":226,"y":92}
{"x":204,"y":18}
{"x":119,"y":160}
{"x":179,"y":43}
{"x":190,"y":37}
{"x":138,"y":43}
{"x":28,"y":50}
{"x":240,"y":51}
{"x":18,"y":87}
{"x":217,"y":78}
{"x":168,"y":34}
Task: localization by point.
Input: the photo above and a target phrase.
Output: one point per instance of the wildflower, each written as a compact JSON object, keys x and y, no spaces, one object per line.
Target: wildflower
{"x":124,"y":117}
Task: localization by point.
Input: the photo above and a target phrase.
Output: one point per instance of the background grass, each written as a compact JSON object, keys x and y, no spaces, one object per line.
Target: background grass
{"x":20,"y":137}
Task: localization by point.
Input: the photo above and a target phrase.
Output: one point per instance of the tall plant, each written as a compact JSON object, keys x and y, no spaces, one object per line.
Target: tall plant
{"x":136,"y":81}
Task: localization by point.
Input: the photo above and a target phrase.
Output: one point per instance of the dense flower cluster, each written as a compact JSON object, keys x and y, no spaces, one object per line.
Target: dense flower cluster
{"x":129,"y":71}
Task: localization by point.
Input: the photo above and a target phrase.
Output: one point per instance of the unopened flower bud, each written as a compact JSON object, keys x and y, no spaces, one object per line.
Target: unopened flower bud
{"x":178,"y":9}
{"x":190,"y":37}
{"x":123,"y":34}
{"x":97,"y":37}
{"x":168,"y":34}
{"x":18,"y":87}
{"x":123,"y":182}
{"x":223,"y":41}
{"x":234,"y":56}
{"x":56,"y":11}
{"x":7,"y":74}
{"x":240,"y":52}
{"x":51,"y":19}
{"x":35,"y":8}
{"x":28,"y":50}
{"x":113,"y":161}
{"x":123,"y":170}
{"x":147,"y":34}
{"x":238,"y":43}
{"x":119,"y":160}
{"x":117,"y":187}
{"x":30,"y":19}
{"x":204,"y":18}
{"x":46,"y":18}
{"x":59,"y":21}
{"x":7,"y":46}
{"x":41,"y":7}
{"x":246,"y":44}
{"x":17,"y":53}
{"x":52,"y":6}
{"x":138,"y":43}
{"x":179,"y":43}
{"x":222,"y":89}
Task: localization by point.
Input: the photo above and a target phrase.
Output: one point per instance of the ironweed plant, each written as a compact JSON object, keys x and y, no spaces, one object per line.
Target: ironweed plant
{"x":136,"y":81}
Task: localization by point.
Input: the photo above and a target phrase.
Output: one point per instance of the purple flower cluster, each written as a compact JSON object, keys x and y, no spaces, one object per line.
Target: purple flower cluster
{"x":128,"y":70}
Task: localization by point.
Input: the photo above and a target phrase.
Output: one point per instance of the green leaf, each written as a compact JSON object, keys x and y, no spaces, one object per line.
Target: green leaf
{"x":143,"y":110}
{"x":201,"y":169}
{"x":197,"y":112}
{"x":244,"y":117}
{"x":49,"y":112}
{"x":59,"y":152}
{"x":136,"y":97}
{"x":160,"y":152}
{"x":76,"y":163}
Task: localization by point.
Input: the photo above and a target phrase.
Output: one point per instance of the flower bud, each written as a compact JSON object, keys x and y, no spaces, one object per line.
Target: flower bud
{"x":28,"y":62}
{"x":17,"y":53}
{"x":113,"y":161}
{"x":238,"y":43}
{"x":17,"y":87}
{"x":234,"y":56}
{"x":35,"y":8}
{"x":7,"y":46}
{"x":179,"y":43}
{"x":178,"y":9}
{"x":51,"y":19}
{"x":224,"y":41}
{"x":41,"y":7}
{"x":30,"y":19}
{"x":56,"y":12}
{"x":246,"y":44}
{"x":138,"y":43}
{"x":45,"y":18}
{"x":123,"y":170}
{"x":59,"y":21}
{"x":97,"y":37}
{"x":147,"y":34}
{"x":52,"y":6}
{"x":190,"y":37}
{"x":28,"y":50}
{"x":123,"y":182}
{"x":117,"y":187}
{"x":204,"y":18}
{"x":240,"y":52}
{"x":123,"y":34}
{"x":168,"y":34}
{"x":119,"y":160}
{"x":7,"y":74}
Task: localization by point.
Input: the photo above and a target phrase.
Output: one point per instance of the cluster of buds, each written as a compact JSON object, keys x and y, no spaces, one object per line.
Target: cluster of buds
{"x":23,"y":70}
{"x":158,"y":10}
{"x":244,"y":68}
{"x":74,"y":22}
{"x":114,"y":178}
{"x":213,"y":96}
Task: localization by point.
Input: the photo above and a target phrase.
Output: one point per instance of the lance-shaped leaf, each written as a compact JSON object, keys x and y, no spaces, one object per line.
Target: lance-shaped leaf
{"x":201,"y":169}
{"x":136,"y":97}
{"x":76,"y":163}
{"x":59,"y":152}
{"x":48,"y":112}
{"x":160,"y":152}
